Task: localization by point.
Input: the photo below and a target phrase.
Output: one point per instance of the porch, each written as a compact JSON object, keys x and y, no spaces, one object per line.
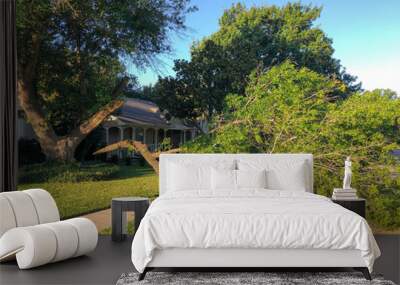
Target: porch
{"x":152,"y":137}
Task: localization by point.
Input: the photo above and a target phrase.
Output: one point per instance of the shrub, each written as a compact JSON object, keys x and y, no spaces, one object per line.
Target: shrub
{"x":29,"y":152}
{"x":166,"y":144}
{"x":69,"y":172}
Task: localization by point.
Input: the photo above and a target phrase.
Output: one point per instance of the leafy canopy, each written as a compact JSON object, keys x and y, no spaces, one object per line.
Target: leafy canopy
{"x":286,"y":110}
{"x":81,"y":48}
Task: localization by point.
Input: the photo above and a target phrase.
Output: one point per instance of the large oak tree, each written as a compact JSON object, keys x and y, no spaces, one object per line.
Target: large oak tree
{"x":72,"y":56}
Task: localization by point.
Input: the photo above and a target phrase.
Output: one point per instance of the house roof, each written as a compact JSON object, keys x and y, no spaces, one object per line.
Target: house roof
{"x":145,"y":113}
{"x":142,"y":112}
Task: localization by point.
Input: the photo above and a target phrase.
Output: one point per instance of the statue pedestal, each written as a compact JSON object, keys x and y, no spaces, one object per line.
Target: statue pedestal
{"x":344,"y":194}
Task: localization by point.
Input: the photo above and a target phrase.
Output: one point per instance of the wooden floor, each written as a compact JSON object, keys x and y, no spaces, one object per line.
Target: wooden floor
{"x":103,"y":266}
{"x":110,"y":260}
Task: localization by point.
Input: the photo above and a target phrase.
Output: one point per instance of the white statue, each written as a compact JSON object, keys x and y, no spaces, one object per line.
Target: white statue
{"x":347,"y":174}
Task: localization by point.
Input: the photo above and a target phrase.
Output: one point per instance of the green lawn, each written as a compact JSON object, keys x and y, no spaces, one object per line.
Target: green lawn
{"x":76,"y":198}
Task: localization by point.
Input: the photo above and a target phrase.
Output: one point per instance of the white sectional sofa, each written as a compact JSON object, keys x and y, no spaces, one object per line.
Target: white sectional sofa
{"x":31,"y":230}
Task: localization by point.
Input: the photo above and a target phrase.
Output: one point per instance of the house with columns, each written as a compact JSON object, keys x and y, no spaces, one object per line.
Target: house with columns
{"x":143,"y":121}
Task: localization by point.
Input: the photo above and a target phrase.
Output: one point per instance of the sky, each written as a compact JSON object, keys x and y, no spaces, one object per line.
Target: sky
{"x":365,"y":34}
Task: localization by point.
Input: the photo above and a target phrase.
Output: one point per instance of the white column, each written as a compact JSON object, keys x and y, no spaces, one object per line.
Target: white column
{"x":165,"y":134}
{"x":144,"y":135}
{"x":155,"y":139}
{"x":121,"y":133}
{"x":193,"y":133}
{"x":121,"y":138}
{"x":133,"y":133}
{"x":107,"y":136}
{"x":184,"y":136}
{"x":107,"y":140}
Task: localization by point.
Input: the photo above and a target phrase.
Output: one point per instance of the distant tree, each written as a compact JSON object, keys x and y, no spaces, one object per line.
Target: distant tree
{"x":249,"y":39}
{"x":286,"y":110}
{"x":71,"y":56}
{"x":269,"y":35}
{"x":198,"y":89}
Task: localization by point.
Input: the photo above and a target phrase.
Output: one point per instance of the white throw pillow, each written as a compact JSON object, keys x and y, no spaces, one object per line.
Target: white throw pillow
{"x":251,"y":178}
{"x":223,"y":179}
{"x":188,"y":177}
{"x":281,"y":175}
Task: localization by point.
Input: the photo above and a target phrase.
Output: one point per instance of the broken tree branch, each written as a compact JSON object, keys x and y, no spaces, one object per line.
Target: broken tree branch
{"x":150,"y":157}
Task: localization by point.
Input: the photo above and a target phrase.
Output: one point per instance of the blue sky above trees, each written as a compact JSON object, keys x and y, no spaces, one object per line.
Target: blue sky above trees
{"x":365,"y":33}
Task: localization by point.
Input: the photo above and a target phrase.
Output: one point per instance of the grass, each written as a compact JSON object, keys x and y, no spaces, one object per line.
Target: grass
{"x":130,"y":229}
{"x":377,"y":229}
{"x":77,"y":198}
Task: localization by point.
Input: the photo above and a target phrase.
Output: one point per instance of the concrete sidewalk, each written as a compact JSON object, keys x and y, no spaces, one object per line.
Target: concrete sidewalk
{"x":102,"y":219}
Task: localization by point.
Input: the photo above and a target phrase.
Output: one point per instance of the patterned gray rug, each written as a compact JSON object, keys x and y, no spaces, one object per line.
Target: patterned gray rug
{"x":236,"y":278}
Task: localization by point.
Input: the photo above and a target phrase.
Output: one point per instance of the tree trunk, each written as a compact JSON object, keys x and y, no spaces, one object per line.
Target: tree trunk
{"x":44,"y":132}
{"x":61,"y":148}
{"x":68,"y":144}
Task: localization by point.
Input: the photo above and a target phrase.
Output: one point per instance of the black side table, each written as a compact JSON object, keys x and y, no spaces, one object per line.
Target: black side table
{"x":119,"y":207}
{"x":356,"y":205}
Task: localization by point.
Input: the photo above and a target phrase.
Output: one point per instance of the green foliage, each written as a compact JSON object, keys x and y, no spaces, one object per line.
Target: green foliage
{"x":77,"y":198}
{"x":83,"y":46}
{"x":269,"y":35}
{"x":29,"y":152}
{"x":288,"y":110}
{"x":166,"y":144}
{"x":249,"y":39}
{"x":130,"y":229}
{"x":69,"y":172}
